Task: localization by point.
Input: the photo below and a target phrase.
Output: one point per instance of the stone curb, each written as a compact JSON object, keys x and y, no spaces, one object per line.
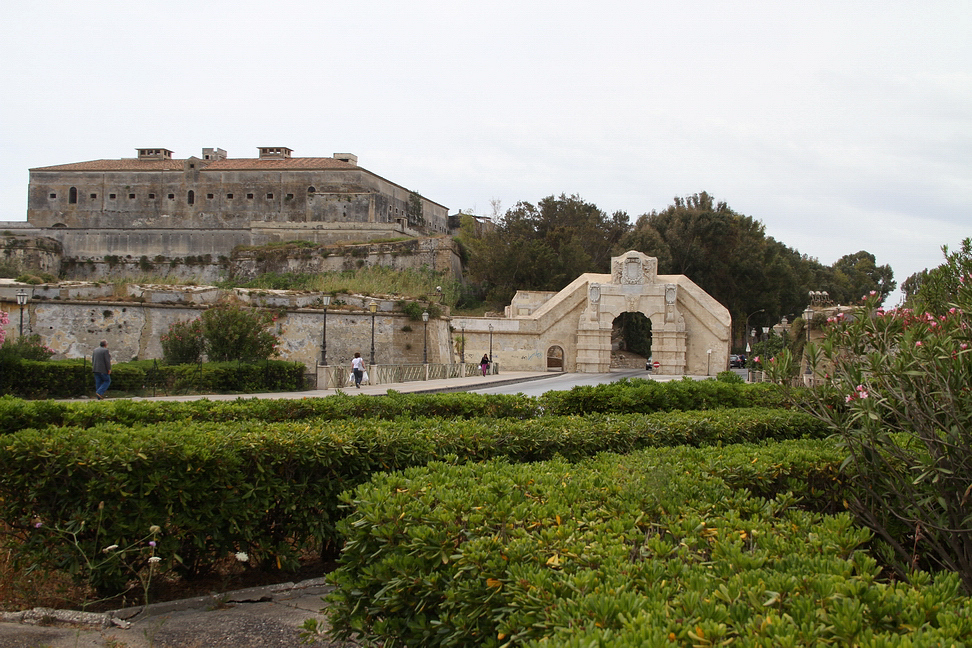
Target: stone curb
{"x":484,"y":385}
{"x":123,"y":617}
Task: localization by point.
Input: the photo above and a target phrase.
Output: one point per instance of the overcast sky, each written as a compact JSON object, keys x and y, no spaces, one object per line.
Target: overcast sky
{"x":842,"y":126}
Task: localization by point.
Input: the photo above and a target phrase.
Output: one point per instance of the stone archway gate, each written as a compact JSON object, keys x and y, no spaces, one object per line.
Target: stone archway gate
{"x":690,"y":329}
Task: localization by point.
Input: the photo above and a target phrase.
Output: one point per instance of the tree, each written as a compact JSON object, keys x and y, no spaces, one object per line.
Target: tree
{"x":855,"y":275}
{"x":931,"y":290}
{"x":235,"y":332}
{"x":728,"y":255}
{"x":543,"y":246}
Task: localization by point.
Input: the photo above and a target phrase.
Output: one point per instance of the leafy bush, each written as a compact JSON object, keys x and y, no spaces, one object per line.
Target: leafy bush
{"x":644,"y":550}
{"x":905,"y":379}
{"x":272,"y":489}
{"x":183,"y":343}
{"x":28,"y":347}
{"x":235,"y":332}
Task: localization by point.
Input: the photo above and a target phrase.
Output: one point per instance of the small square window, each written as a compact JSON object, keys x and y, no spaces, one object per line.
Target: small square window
{"x":210,"y":196}
{"x":151,"y":196}
{"x":192,"y":166}
{"x":112,"y":196}
{"x":269,"y":196}
{"x":92,"y":196}
{"x":171,"y":196}
{"x":249,"y":196}
{"x":131,"y":196}
{"x":53,"y":195}
{"x":229,"y":196}
{"x":289,"y":197}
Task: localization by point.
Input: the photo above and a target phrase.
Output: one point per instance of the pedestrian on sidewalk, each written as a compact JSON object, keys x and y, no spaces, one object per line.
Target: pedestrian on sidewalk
{"x":357,"y":369}
{"x":101,"y":366}
{"x":484,"y":364}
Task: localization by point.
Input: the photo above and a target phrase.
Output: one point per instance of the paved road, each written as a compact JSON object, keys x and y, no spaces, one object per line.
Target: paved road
{"x":566,"y":381}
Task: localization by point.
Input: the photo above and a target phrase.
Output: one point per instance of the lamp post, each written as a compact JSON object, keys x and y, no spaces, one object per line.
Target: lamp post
{"x":462,"y":345}
{"x":491,"y":344}
{"x":21,"y":301}
{"x":373,"y":307}
{"x":326,"y":300}
{"x":708,"y":361}
{"x":761,"y":310}
{"x":425,"y":336}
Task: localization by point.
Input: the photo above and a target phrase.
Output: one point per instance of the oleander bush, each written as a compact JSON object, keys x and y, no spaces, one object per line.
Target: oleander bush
{"x":272,"y":489}
{"x":659,"y":547}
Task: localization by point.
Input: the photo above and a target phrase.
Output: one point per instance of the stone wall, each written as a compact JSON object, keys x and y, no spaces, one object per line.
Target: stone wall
{"x":73,"y":318}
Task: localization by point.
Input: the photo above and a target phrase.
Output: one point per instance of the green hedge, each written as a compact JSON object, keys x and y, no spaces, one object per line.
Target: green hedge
{"x":644,"y":396}
{"x":73,"y":378}
{"x":17,"y":414}
{"x":272,"y":489}
{"x":650,"y":549}
{"x":623,"y":397}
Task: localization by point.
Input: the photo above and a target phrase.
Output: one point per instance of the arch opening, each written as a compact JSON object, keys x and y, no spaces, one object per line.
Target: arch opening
{"x":73,"y":196}
{"x":631,"y":340}
{"x":555,"y":358}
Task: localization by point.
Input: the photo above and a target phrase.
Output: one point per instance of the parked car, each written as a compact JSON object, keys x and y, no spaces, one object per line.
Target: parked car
{"x":737,"y":361}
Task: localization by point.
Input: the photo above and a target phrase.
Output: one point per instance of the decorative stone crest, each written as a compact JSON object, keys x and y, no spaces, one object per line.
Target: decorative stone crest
{"x":594,"y":300}
{"x":633,"y":269}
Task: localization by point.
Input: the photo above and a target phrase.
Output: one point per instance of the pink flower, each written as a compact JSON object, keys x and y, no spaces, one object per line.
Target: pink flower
{"x":849,"y":398}
{"x":756,"y":359}
{"x":872,"y":293}
{"x":861,"y":393}
{"x":963,"y":346}
{"x":918,"y":343}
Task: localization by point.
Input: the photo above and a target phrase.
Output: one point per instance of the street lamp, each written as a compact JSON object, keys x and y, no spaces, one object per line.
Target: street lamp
{"x":373,"y":307}
{"x":490,"y":344}
{"x":425,"y":336}
{"x":326,"y":300}
{"x":21,"y":301}
{"x":462,"y":345}
{"x":761,"y":310}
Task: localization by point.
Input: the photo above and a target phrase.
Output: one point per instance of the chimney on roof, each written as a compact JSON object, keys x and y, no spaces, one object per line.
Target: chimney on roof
{"x":350,"y":158}
{"x":274,"y":152}
{"x":213,"y":154}
{"x":154,"y":154}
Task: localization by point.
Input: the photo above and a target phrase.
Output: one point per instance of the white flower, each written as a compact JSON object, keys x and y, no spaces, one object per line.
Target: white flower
{"x":155,"y":528}
{"x":109,"y":548}
{"x":242,"y":556}
{"x":155,"y":559}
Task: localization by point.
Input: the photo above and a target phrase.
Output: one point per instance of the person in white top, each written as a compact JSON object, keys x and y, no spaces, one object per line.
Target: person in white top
{"x":357,"y":369}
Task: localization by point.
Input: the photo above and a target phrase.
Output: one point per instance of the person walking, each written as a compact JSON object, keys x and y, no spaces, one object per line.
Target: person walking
{"x":101,"y":366}
{"x":484,"y":364}
{"x":357,"y":369}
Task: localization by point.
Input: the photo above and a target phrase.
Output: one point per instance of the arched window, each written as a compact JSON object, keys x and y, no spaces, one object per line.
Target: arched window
{"x":311,"y":190}
{"x":73,"y":196}
{"x":191,"y":198}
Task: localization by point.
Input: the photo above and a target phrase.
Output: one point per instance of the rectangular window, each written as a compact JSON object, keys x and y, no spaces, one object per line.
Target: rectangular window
{"x":53,"y":195}
{"x":229,"y":196}
{"x":92,"y":196}
{"x":131,"y":196}
{"x":269,"y":196}
{"x":249,"y":196}
{"x":210,"y":196}
{"x":289,"y":197}
{"x":151,"y":196}
{"x":171,"y":196}
{"x":112,"y":196}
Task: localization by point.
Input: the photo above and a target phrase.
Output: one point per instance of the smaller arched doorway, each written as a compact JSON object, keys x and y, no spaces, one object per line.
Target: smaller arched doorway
{"x":555,"y":358}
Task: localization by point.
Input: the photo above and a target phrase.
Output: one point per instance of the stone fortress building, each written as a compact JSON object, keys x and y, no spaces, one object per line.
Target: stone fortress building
{"x":162,"y":208}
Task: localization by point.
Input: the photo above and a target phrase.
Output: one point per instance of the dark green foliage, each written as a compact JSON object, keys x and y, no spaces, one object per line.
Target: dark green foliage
{"x":236,"y":332}
{"x":662,"y":547}
{"x":183,"y":343}
{"x":73,"y":378}
{"x":272,"y":489}
{"x":28,"y":347}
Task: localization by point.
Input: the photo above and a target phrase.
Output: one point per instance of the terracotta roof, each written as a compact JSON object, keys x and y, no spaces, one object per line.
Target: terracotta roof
{"x":256,"y":164}
{"x":241,"y":164}
{"x":126,"y":164}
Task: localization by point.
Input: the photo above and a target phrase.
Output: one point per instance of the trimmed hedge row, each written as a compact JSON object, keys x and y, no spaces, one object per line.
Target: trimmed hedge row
{"x":17,"y":414}
{"x":650,"y":549}
{"x":623,"y":397}
{"x":272,"y":489}
{"x":73,"y":378}
{"x":637,"y":395}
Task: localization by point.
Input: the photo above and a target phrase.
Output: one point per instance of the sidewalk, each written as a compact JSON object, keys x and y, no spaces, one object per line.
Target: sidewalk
{"x":414,"y":387}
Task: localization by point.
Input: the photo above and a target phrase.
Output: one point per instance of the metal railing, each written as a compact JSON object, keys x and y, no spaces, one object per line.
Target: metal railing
{"x":339,"y":377}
